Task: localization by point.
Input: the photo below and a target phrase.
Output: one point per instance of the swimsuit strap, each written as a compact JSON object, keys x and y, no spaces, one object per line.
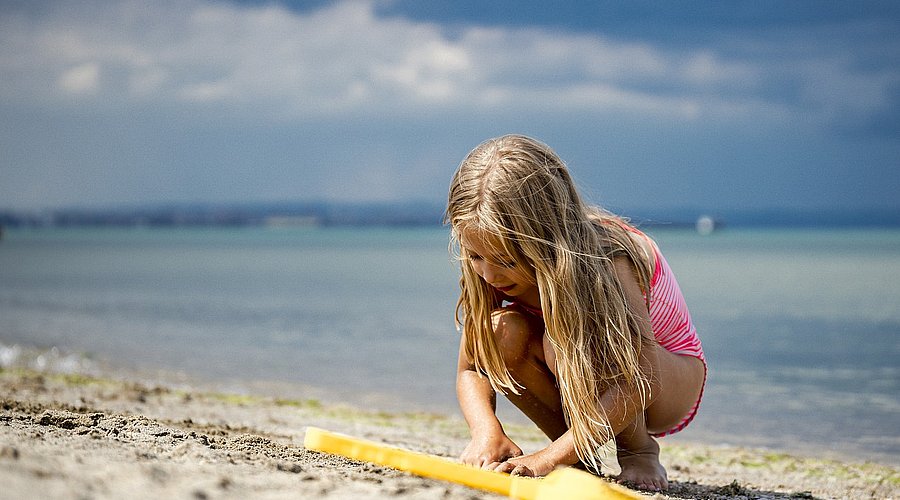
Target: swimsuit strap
{"x":536,"y":311}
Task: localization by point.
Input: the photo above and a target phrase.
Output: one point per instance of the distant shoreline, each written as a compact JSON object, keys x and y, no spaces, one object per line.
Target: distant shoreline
{"x":412,"y":213}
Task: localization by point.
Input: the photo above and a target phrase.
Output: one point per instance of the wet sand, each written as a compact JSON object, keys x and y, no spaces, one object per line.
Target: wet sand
{"x":79,"y":436}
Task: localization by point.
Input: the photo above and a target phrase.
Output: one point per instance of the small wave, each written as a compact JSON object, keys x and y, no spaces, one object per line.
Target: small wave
{"x":44,"y":360}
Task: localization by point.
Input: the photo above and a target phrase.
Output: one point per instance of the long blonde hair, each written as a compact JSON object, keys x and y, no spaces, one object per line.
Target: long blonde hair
{"x":517,"y":189}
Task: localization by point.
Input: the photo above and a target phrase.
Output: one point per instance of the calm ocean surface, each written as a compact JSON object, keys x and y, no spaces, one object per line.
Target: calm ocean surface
{"x":801,"y":327}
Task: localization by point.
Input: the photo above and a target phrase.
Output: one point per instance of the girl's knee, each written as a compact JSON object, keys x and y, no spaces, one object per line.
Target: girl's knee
{"x":517,"y":336}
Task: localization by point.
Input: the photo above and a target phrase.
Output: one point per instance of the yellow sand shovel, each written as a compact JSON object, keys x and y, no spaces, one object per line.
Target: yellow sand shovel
{"x":566,"y":483}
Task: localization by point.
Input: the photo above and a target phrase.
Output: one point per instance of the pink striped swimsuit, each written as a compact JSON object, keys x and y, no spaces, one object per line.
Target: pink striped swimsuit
{"x":670,"y":321}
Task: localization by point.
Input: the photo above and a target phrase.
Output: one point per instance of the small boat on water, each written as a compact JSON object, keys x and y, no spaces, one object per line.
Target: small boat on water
{"x":706,"y":225}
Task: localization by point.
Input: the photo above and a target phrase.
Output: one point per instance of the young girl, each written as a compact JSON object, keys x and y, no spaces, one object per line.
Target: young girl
{"x":570,"y":312}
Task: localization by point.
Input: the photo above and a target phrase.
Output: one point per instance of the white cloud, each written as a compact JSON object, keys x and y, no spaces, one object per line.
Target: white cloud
{"x":343,"y":58}
{"x":205,"y":92}
{"x":82,"y":79}
{"x":145,"y":82}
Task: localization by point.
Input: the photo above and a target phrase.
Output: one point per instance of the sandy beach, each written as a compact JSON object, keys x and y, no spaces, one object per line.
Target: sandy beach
{"x":80,"y":436}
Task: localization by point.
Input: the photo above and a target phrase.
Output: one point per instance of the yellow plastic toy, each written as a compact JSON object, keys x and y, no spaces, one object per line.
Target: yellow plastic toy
{"x":562,"y":483}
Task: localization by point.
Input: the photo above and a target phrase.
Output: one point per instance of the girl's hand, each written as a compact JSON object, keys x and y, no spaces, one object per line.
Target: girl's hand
{"x":533,"y":465}
{"x":489,"y":450}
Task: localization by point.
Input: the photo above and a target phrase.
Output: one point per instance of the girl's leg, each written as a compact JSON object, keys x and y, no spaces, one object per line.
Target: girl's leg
{"x":675,"y":388}
{"x":676,"y":383}
{"x":521,"y":340}
{"x":638,"y":456}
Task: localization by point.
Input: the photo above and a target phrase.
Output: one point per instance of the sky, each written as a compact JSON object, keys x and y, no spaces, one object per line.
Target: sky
{"x":716,"y":105}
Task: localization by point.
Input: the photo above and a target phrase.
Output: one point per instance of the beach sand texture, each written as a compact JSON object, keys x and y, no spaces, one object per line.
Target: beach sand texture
{"x":78,"y":436}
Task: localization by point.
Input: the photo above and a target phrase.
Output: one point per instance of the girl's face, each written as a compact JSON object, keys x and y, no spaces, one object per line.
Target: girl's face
{"x":497,"y":269}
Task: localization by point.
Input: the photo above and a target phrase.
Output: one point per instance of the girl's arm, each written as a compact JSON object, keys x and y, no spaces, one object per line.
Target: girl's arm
{"x":624,"y":402}
{"x":622,"y":405}
{"x":478,"y":403}
{"x":621,"y":402}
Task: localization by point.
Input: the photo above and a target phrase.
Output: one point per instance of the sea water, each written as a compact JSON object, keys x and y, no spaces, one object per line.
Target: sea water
{"x":801,"y":327}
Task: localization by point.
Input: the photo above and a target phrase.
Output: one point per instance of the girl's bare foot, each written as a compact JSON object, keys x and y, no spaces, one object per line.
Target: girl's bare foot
{"x":641,"y":468}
